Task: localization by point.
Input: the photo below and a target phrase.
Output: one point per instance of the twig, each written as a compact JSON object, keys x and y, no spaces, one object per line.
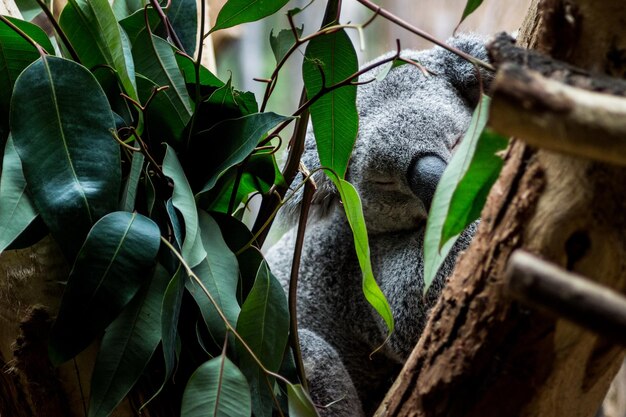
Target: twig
{"x":58,"y":30}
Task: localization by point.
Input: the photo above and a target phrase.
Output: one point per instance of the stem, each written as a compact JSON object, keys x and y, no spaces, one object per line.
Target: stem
{"x":58,"y":30}
{"x":171,"y":34}
{"x":194,"y":277}
{"x":423,"y":34}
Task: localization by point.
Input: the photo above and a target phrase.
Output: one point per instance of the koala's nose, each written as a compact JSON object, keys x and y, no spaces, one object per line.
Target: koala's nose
{"x":423,"y":176}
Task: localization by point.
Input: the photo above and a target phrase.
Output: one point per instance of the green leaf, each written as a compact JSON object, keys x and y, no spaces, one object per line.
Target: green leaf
{"x":234,"y":140}
{"x":470,"y":7}
{"x":207,"y":78}
{"x":124,"y":8}
{"x":135,"y":23}
{"x":108,"y":272}
{"x":219,"y":273}
{"x":282,"y":42}
{"x":183,"y":16}
{"x":154,"y":59}
{"x":16,"y":209}
{"x":15,"y":55}
{"x":71,"y":161}
{"x":334,"y":115}
{"x":183,"y":200}
{"x":217,"y":388}
{"x":235,"y":12}
{"x":470,"y":194}
{"x":264,"y":325}
{"x":127,"y":346}
{"x":354,"y":212}
{"x":98,"y":39}
{"x":300,"y":404}
{"x":435,"y":249}
{"x":132,"y":182}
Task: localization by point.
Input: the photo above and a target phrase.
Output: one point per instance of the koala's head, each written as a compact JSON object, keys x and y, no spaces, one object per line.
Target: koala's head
{"x":409,"y":126}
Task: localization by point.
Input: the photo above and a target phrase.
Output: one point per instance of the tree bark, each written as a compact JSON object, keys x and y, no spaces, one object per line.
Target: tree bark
{"x":483,"y":354}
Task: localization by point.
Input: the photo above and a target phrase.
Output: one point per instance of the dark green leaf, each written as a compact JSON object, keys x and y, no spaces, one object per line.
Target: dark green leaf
{"x":132,"y":182}
{"x":471,"y":193}
{"x":264,"y":325}
{"x":354,"y":212}
{"x":435,"y":249}
{"x":98,"y":39}
{"x":154,"y":59}
{"x":300,"y":404}
{"x":124,"y":8}
{"x":71,"y":161}
{"x":217,"y":388}
{"x":15,"y":55}
{"x":127,"y":346}
{"x":470,"y":7}
{"x":235,"y":12}
{"x":282,"y":42}
{"x":183,"y":200}
{"x":219,"y":273}
{"x":108,"y":272}
{"x":237,"y":138}
{"x":334,"y":116}
{"x":16,"y":209}
{"x":207,"y":79}
{"x":183,"y":17}
{"x":135,"y":23}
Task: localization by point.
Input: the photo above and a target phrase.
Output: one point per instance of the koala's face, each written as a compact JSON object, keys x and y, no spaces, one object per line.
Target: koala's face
{"x":409,"y":125}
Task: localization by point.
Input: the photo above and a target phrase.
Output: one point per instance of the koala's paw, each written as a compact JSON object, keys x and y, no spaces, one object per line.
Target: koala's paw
{"x":330,"y":385}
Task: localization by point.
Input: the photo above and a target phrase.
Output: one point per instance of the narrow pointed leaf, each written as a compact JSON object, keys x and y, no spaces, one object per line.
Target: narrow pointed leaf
{"x":235,"y":12}
{"x":470,"y":194}
{"x":16,"y":208}
{"x":237,"y":138}
{"x":182,"y":198}
{"x":354,"y":212}
{"x":15,"y":55}
{"x":170,"y":313}
{"x":183,"y":16}
{"x":154,"y":59}
{"x":219,"y":272}
{"x":217,"y":389}
{"x":127,"y":346}
{"x":334,"y":115}
{"x":132,"y":182}
{"x":300,"y":404}
{"x":470,"y":7}
{"x":92,"y":28}
{"x":264,"y":325}
{"x":108,"y":272}
{"x":70,"y":160}
{"x":435,"y":249}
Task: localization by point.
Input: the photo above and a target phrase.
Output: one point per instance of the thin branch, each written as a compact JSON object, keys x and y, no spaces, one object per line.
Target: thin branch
{"x":42,"y":4}
{"x":171,"y":33}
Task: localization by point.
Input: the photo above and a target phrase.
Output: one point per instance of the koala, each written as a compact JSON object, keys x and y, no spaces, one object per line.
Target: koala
{"x":409,"y":125}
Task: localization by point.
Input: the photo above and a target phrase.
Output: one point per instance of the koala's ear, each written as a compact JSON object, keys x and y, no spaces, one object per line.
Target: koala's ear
{"x":461,"y":73}
{"x":326,"y":193}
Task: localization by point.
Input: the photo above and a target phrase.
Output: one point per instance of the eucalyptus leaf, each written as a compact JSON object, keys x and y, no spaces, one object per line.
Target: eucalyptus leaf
{"x":108,"y":272}
{"x":183,"y":200}
{"x":264,"y":325}
{"x":70,"y":160}
{"x":237,"y":138}
{"x":155,"y":60}
{"x":124,"y":8}
{"x":183,"y":16}
{"x":15,"y":55}
{"x":284,"y":41}
{"x":235,"y":12}
{"x":127,"y":346}
{"x":219,"y":273}
{"x":207,"y":78}
{"x":334,"y":115}
{"x":132,"y":182}
{"x":16,"y":208}
{"x":300,"y":404}
{"x":470,"y":7}
{"x":470,"y":194}
{"x":354,"y":212}
{"x":217,"y":388}
{"x":435,"y":249}
{"x":97,"y":38}
{"x":135,"y":23}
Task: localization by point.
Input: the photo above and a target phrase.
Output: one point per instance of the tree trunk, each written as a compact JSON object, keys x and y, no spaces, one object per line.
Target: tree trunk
{"x":483,"y":354}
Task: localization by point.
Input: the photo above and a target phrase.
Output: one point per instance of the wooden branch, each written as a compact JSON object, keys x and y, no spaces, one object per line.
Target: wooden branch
{"x":552,"y":115}
{"x":544,"y":285}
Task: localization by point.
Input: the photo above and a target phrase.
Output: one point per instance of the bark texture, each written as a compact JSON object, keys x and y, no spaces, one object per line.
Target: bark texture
{"x":483,"y":354}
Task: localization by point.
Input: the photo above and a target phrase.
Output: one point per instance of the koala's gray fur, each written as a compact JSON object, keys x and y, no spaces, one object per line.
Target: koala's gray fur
{"x":402,"y":117}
